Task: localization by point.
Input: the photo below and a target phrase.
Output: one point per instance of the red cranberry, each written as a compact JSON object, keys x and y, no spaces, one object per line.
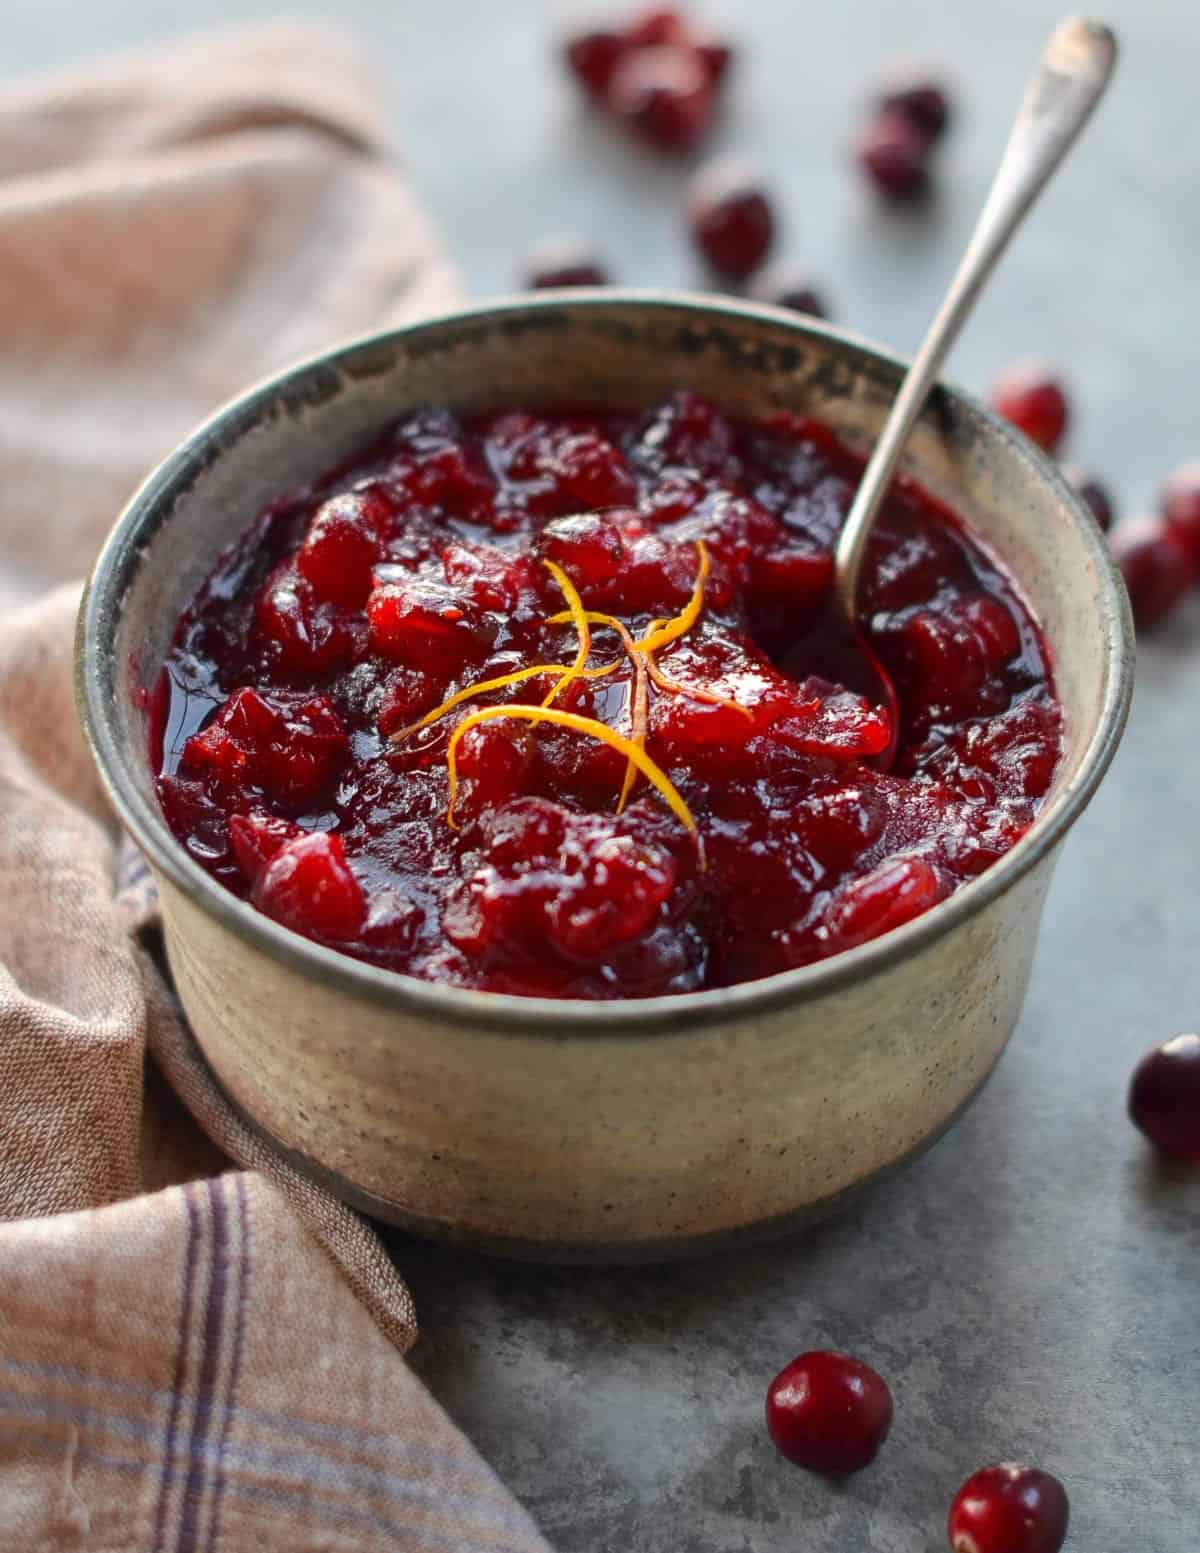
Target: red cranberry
{"x":894,"y":155}
{"x":919,"y":97}
{"x":829,"y":1412}
{"x":1181,"y":505}
{"x":1093,"y":494}
{"x":565,"y":263}
{"x":790,"y":289}
{"x":308,"y":886}
{"x":715,"y":54}
{"x":1032,"y":398}
{"x":731,"y":218}
{"x":593,"y":55}
{"x":1009,"y":1509}
{"x":1157,"y":566}
{"x":665,"y":95}
{"x":1164,"y":1097}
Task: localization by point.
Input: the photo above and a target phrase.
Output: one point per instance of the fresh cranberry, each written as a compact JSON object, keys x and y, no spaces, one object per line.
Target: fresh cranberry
{"x":565,"y":264}
{"x":791,"y":289}
{"x":1009,"y":1509}
{"x":1094,"y":495}
{"x":1032,"y":398}
{"x":1164,"y":1097}
{"x":1156,"y":564}
{"x":592,"y":56}
{"x":919,"y":97}
{"x":664,"y":95}
{"x":308,"y":886}
{"x":894,"y":155}
{"x":731,"y":219}
{"x":829,"y":1412}
{"x":1181,"y":505}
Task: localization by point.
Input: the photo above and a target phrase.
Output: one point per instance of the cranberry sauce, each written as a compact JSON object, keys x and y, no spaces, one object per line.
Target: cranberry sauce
{"x":625,"y":797}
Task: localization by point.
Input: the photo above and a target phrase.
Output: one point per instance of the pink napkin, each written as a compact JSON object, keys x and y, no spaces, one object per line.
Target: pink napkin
{"x":214,"y":1363}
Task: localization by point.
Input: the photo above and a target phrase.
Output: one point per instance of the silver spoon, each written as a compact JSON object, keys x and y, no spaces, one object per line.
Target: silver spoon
{"x":1068,"y":83}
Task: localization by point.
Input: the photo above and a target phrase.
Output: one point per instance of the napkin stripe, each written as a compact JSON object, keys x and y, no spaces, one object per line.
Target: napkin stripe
{"x":180,"y":1370}
{"x":197,"y":1479}
{"x":235,"y":1362}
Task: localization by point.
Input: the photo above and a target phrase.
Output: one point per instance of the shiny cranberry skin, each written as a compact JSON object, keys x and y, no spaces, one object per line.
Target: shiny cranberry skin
{"x":1094,"y":494}
{"x":1032,"y":398}
{"x":919,"y":97}
{"x":790,"y":289}
{"x":894,"y":155}
{"x":1157,"y":566}
{"x":829,"y":1412}
{"x":731,"y":218}
{"x":565,"y":263}
{"x":1009,"y":1509}
{"x":1181,"y":505}
{"x":593,"y":55}
{"x":308,"y":886}
{"x":1164,"y":1097}
{"x":665,"y":96}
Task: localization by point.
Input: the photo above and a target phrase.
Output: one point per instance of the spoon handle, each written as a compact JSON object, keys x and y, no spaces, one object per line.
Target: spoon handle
{"x":1067,"y":84}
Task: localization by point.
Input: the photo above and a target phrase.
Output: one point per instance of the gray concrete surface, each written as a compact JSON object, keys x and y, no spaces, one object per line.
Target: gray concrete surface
{"x":1032,"y":1287}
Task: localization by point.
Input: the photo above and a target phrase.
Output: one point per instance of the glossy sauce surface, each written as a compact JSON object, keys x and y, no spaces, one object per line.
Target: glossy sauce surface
{"x":693,"y":550}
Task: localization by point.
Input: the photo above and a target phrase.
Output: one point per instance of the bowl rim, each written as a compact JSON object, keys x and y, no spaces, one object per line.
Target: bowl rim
{"x":676,"y":1012}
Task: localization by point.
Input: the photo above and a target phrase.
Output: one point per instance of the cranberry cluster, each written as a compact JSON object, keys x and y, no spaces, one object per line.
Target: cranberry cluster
{"x":895,"y":147}
{"x":660,"y":75}
{"x":1159,"y":555}
{"x":831,"y":1413}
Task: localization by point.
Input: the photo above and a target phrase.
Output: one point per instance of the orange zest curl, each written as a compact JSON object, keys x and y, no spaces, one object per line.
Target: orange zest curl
{"x":665,"y":631}
{"x":653,"y":773}
{"x":501,"y":682}
{"x":579,"y":619}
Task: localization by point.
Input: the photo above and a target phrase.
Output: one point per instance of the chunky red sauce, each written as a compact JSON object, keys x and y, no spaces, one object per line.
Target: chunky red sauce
{"x":681,"y":814}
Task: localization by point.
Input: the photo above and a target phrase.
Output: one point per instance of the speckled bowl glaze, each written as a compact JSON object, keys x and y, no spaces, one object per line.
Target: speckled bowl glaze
{"x":636,"y":1129}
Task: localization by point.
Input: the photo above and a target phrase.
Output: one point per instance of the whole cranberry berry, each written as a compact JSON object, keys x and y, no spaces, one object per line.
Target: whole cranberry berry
{"x":1032,"y":398}
{"x":1094,"y":495}
{"x":1164,"y":1097}
{"x":788,"y":288}
{"x":664,"y":95}
{"x":565,"y":263}
{"x":1009,"y":1509}
{"x":894,"y":155}
{"x":829,"y":1412}
{"x":1157,"y":566}
{"x":731,"y":218}
{"x":592,"y":56}
{"x":1181,"y":505}
{"x":918,"y":95}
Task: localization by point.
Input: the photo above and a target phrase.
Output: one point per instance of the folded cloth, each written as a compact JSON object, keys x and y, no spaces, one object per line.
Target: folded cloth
{"x":191,"y":1356}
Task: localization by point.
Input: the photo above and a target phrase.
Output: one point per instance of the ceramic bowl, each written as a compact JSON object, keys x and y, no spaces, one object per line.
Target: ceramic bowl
{"x":636,"y":1129}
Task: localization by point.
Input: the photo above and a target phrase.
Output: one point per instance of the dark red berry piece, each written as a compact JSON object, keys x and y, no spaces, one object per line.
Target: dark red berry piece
{"x":1032,"y":398}
{"x":715,"y":54}
{"x":1009,"y":1509}
{"x":655,"y":27}
{"x":894,"y":155}
{"x":788,"y":288}
{"x":593,"y":55}
{"x":664,"y":95}
{"x":731,"y":218}
{"x":1156,"y":564}
{"x":829,"y":1412}
{"x":918,"y":96}
{"x":1181,"y":505}
{"x":1094,"y":494}
{"x":1164,"y":1097}
{"x":565,"y":263}
{"x":308,"y":886}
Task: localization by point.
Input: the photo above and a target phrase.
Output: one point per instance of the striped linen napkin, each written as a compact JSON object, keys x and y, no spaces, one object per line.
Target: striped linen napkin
{"x":192,"y":1356}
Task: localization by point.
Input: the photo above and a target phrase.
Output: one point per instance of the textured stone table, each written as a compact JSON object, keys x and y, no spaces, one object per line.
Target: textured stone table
{"x":1031,"y":1287}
